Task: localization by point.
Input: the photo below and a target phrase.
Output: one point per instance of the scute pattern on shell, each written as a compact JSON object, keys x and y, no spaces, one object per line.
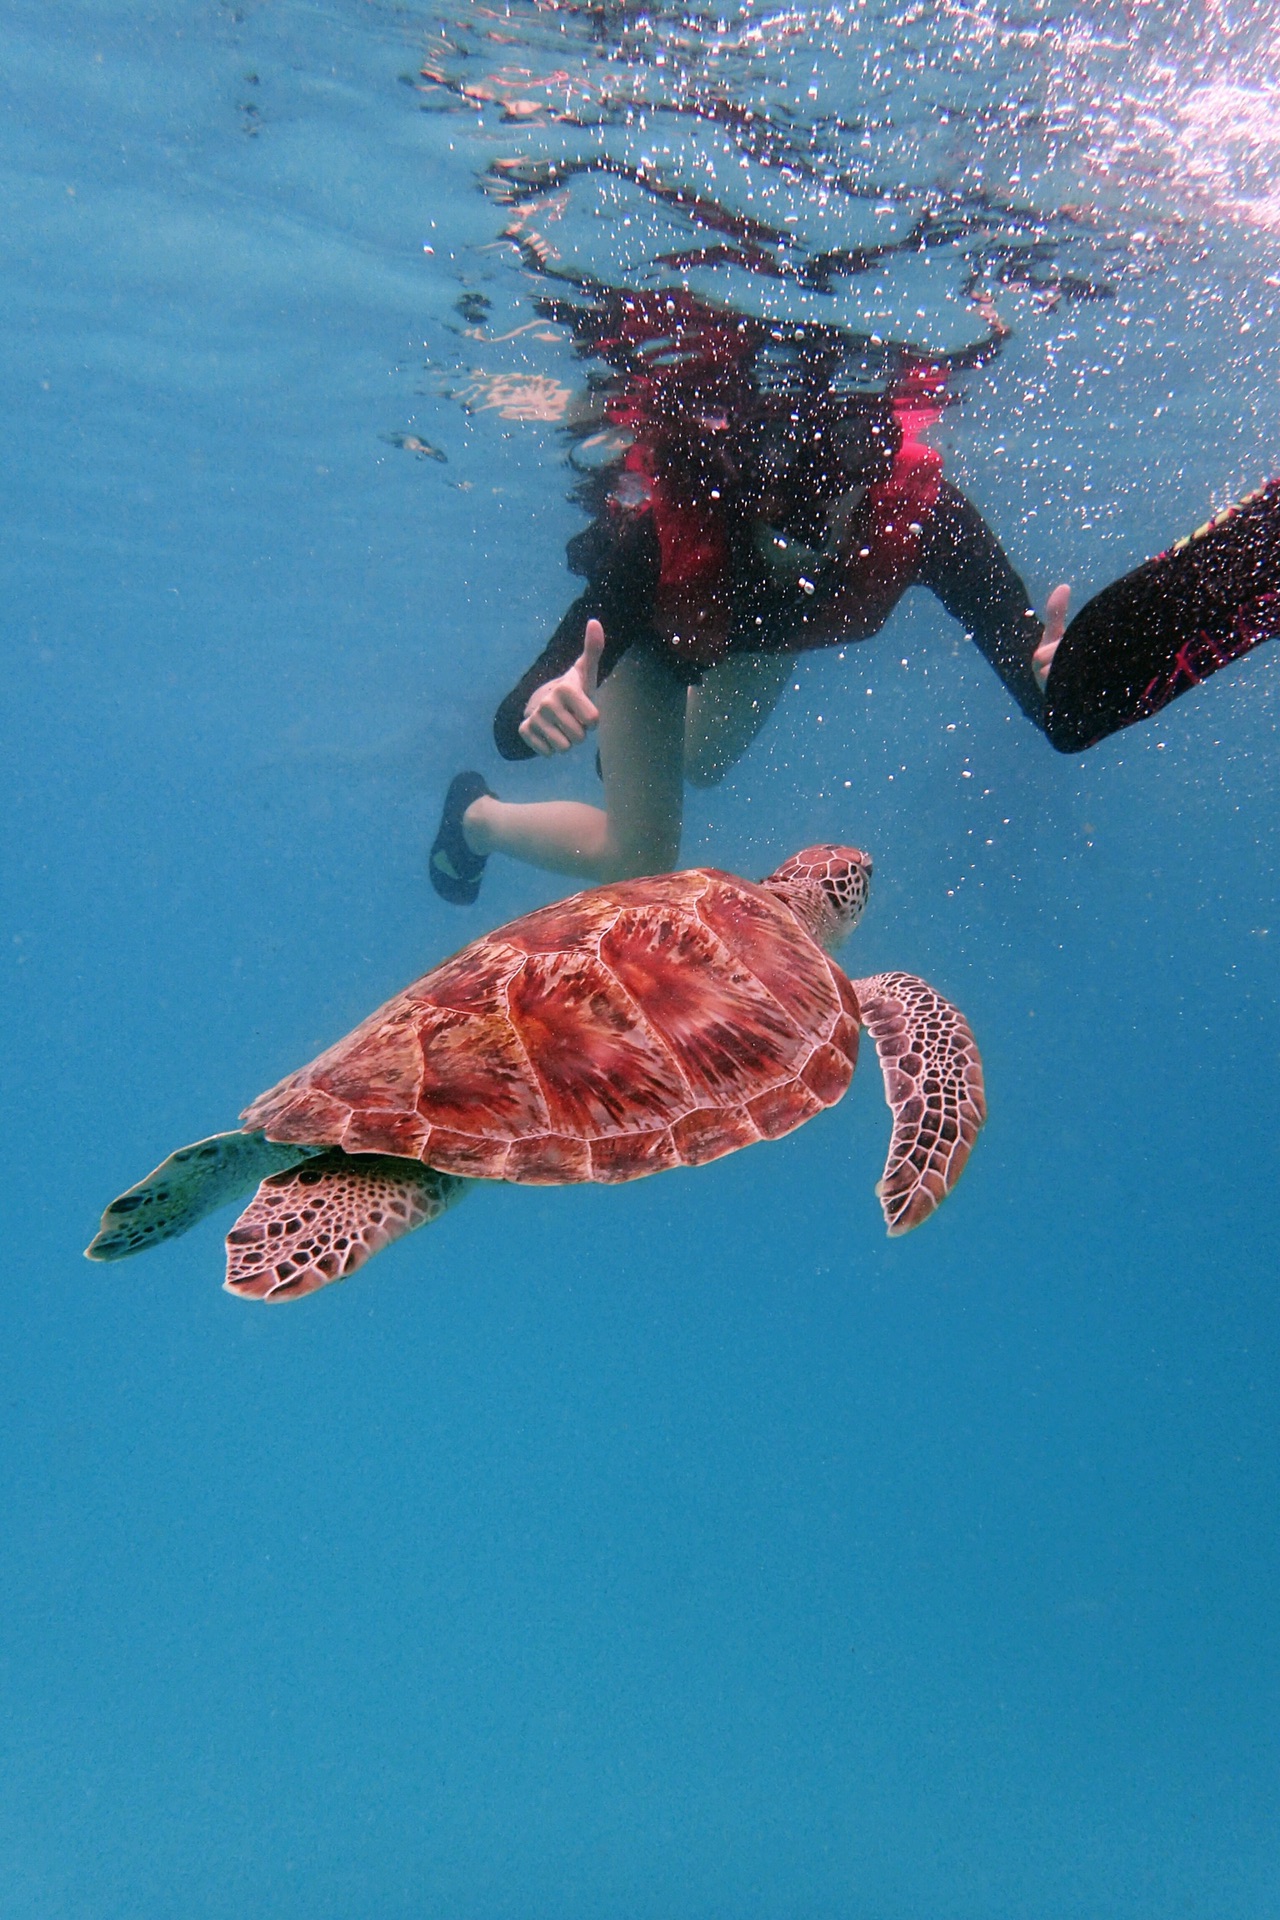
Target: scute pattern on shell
{"x":651,"y":1024}
{"x":933,"y":1083}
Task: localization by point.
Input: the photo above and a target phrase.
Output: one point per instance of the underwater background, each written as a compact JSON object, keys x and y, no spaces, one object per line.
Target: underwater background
{"x":684,"y":1548}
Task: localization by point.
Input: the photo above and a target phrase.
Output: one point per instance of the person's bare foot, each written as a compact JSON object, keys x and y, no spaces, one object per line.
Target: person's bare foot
{"x":1055,"y":622}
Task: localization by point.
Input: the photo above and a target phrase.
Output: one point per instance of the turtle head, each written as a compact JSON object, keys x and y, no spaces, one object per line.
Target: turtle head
{"x":826,"y":888}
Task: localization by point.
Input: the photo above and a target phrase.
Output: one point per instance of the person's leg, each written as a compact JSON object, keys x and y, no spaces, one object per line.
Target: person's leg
{"x":641,"y":735}
{"x":727,"y":711}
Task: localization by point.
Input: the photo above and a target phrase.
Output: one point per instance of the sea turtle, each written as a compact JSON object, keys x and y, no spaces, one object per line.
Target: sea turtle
{"x":650,"y":1024}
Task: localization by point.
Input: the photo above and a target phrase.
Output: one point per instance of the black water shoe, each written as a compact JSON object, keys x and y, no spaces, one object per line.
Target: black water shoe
{"x":456,"y":872}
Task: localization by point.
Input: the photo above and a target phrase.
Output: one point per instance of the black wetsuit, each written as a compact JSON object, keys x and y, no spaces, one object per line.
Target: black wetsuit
{"x":1135,"y":646}
{"x":959,"y":559}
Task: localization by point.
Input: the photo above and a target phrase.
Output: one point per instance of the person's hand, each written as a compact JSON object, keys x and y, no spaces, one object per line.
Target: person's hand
{"x":562,"y":712}
{"x":1055,"y":621}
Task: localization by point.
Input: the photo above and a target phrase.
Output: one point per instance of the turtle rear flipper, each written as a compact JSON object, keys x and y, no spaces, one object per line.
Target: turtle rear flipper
{"x":317,"y":1223}
{"x":933,"y":1083}
{"x":184,"y":1188}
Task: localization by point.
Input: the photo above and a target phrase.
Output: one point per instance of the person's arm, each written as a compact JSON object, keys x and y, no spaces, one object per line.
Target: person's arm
{"x":619,"y":597}
{"x":560,"y":715}
{"x":558,"y":658}
{"x":963,"y":563}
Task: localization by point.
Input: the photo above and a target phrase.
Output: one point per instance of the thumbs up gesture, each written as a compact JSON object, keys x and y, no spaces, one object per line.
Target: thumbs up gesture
{"x":1055,"y":622}
{"x":563,"y":711}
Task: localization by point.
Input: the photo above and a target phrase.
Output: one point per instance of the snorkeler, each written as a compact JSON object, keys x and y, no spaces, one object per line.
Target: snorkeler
{"x":743,"y":526}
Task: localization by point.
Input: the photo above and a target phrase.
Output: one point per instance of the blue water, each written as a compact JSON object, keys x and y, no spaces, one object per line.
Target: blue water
{"x":686,"y":1548}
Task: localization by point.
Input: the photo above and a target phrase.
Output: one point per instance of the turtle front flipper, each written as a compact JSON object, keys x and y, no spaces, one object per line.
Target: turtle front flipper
{"x":184,"y":1188}
{"x":933,"y":1083}
{"x":317,"y":1223}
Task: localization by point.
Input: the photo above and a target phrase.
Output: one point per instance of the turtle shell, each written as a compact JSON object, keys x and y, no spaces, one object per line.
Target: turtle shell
{"x":650,"y":1024}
